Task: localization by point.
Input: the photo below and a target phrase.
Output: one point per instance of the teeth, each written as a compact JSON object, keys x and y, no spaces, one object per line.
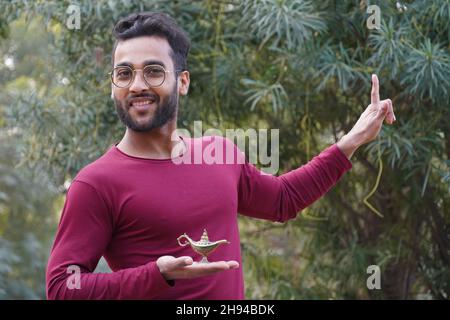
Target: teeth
{"x":142,"y":103}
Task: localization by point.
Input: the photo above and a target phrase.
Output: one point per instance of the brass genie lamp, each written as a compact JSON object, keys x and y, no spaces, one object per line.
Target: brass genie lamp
{"x":204,"y":247}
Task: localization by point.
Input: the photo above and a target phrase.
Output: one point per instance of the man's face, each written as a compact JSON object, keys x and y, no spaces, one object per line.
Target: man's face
{"x":140,"y":107}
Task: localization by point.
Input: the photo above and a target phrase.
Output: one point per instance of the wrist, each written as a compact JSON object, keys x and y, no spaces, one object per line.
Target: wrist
{"x":169,"y":281}
{"x":348,"y":144}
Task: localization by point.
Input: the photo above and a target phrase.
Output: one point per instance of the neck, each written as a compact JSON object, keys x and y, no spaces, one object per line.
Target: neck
{"x":154,"y":144}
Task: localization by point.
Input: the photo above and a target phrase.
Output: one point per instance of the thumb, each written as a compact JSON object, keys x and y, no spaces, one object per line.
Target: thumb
{"x":179,"y":263}
{"x":382,"y":110}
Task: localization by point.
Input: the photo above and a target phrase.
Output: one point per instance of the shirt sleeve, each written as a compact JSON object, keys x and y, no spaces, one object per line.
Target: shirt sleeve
{"x":281,"y":198}
{"x":83,"y":234}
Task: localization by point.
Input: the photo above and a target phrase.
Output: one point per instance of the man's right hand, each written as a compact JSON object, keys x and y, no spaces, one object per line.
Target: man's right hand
{"x":184,"y":267}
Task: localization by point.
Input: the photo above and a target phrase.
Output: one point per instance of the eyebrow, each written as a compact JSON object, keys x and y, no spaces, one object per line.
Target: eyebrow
{"x":146,"y":63}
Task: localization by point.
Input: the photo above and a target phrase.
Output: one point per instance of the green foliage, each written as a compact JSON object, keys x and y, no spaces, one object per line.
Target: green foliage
{"x":428,"y":72}
{"x":284,"y":22}
{"x":26,"y":225}
{"x":301,"y":66}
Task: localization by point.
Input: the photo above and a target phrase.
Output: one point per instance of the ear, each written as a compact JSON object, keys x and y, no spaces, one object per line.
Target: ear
{"x":183,"y":85}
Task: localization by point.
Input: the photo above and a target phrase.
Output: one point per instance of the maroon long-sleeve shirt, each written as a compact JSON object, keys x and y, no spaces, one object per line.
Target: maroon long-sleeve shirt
{"x":132,"y":210}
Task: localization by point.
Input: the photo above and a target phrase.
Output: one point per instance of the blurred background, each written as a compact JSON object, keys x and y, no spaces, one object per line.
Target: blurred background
{"x":300,"y":66}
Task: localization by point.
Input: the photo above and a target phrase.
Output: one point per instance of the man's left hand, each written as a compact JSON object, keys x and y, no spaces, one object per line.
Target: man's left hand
{"x":369,"y":123}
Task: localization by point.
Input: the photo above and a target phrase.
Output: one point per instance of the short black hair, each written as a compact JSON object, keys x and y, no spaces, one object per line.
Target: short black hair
{"x":155,"y":24}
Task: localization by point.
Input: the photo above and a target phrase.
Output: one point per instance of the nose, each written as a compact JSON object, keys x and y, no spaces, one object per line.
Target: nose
{"x":138,"y":84}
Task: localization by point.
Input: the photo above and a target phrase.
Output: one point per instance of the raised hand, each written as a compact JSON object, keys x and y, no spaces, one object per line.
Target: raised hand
{"x":369,"y":123}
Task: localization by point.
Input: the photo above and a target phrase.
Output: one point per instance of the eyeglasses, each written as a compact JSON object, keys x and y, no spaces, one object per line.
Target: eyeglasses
{"x":154,"y":75}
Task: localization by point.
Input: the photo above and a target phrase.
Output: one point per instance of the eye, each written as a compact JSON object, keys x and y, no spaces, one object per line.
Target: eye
{"x":154,"y":72}
{"x":123,"y":73}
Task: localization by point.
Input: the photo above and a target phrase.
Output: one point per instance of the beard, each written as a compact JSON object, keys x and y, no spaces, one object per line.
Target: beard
{"x":165,"y":111}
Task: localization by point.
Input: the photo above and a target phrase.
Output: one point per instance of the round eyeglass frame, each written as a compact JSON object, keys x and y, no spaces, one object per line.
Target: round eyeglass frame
{"x":133,"y":70}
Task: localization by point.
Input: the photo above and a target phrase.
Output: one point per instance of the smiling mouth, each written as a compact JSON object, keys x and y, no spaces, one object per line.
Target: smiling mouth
{"x":142,"y":104}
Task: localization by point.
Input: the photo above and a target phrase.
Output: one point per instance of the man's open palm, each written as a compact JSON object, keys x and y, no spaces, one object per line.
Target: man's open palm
{"x":184,"y":268}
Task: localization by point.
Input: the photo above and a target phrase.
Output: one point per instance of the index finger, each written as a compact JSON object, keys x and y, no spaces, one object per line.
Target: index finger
{"x":375,"y":94}
{"x":212,"y":267}
{"x":217,"y":264}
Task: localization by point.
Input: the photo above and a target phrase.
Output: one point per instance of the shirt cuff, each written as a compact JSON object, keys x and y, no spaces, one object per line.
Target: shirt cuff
{"x":341,"y":158}
{"x":160,"y":281}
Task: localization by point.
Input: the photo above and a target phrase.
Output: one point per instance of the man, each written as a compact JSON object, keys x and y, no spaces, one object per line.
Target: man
{"x":132,"y":204}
